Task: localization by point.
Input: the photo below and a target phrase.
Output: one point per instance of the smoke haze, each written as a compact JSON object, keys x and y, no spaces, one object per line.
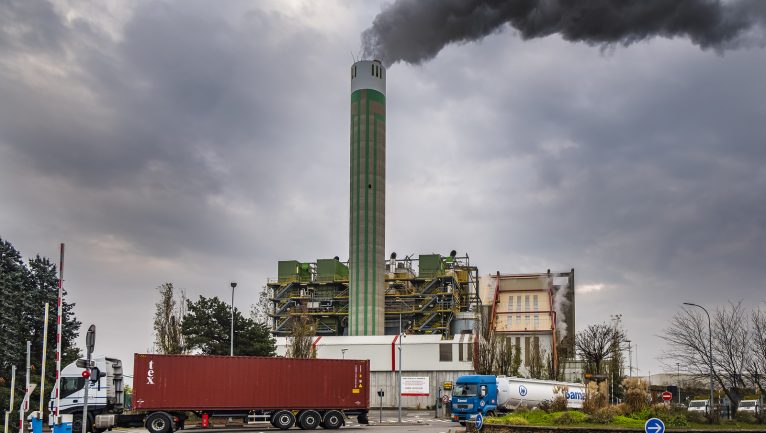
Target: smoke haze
{"x":415,"y":31}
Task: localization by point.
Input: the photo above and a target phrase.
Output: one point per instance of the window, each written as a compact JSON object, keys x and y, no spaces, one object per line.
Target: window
{"x":526,"y":351}
{"x":460,"y":352}
{"x":518,"y":303}
{"x":526,"y":320}
{"x":518,"y":320}
{"x":537,"y":321}
{"x":534,"y":302}
{"x":445,"y":352}
{"x":470,"y":351}
{"x":70,"y":385}
{"x":526,"y":302}
{"x":465,"y":390}
{"x":510,"y":320}
{"x":510,"y":303}
{"x":372,"y":70}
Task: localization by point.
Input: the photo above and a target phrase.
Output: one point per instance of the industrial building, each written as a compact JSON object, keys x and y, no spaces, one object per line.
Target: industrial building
{"x":359,"y":308}
{"x":431,"y":294}
{"x":534,"y":311}
{"x":423,"y":356}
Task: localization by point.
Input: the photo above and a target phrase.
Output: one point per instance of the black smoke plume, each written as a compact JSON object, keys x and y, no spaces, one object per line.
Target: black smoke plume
{"x":414,"y":31}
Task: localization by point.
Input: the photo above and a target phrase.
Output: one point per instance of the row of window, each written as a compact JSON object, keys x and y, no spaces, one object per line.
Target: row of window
{"x":376,"y":70}
{"x":526,"y":321}
{"x":465,"y":352}
{"x":535,"y":303}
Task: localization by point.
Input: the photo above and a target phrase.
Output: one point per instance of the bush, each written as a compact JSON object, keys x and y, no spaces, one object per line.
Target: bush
{"x":571,"y":417}
{"x":595,"y":399}
{"x":559,"y":404}
{"x":545,"y":405}
{"x":625,"y":421}
{"x":696,"y":417}
{"x":676,"y":421}
{"x":636,"y":394}
{"x":602,"y":416}
{"x":746,"y":417}
{"x":659,"y":410}
{"x":514,"y":420}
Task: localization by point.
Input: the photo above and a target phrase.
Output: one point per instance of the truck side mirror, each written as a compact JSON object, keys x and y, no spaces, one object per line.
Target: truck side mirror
{"x":483,"y":391}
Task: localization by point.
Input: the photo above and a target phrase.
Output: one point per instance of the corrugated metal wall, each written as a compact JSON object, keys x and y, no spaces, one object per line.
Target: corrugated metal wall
{"x":387,"y":380}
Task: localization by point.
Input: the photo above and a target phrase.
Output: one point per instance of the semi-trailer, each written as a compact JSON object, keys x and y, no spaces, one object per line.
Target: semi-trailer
{"x":167,"y":388}
{"x":487,"y":395}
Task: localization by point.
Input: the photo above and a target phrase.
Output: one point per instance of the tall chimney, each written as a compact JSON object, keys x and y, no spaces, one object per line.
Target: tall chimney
{"x":367,"y":228}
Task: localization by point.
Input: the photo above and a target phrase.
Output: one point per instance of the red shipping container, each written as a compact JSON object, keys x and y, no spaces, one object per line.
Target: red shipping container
{"x":201,"y":382}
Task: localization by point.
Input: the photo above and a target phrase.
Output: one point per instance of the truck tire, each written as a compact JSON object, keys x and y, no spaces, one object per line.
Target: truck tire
{"x":159,"y":422}
{"x":309,"y":419}
{"x":283,"y":420}
{"x":332,"y":420}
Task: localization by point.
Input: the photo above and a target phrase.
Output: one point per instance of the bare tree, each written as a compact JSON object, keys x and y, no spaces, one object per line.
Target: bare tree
{"x":595,"y":343}
{"x":687,"y":338}
{"x":260,"y":311}
{"x":756,"y":366}
{"x":299,"y":342}
{"x":167,"y":320}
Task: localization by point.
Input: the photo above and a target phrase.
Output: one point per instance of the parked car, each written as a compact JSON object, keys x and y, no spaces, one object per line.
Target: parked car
{"x":752,"y":406}
{"x":701,"y":406}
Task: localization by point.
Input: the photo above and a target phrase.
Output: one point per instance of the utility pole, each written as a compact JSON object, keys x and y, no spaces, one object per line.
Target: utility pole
{"x":231,"y":340}
{"x":399,"y":387}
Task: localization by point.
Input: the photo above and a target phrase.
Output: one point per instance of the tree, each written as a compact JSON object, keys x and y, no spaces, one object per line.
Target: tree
{"x":536,"y":368}
{"x":616,"y":360}
{"x":206,"y":325}
{"x":262,"y":308}
{"x":24,"y":289}
{"x":756,"y":366}
{"x":595,"y":343}
{"x":167,"y":321}
{"x":504,"y":359}
{"x":687,"y":338}
{"x":516,"y":365}
{"x":299,"y":342}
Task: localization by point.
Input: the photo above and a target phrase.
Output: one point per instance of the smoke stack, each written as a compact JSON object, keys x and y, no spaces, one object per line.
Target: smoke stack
{"x":415,"y":31}
{"x":368,"y":199}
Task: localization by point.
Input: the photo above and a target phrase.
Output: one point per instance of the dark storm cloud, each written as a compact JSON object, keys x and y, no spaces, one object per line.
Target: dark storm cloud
{"x":415,"y":31}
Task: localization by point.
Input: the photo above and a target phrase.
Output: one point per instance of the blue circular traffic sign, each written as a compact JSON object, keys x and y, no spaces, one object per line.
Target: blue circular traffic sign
{"x":654,"y":425}
{"x":479,"y":421}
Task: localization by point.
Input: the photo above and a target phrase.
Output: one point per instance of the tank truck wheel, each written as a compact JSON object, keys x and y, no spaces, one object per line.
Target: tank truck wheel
{"x":462,"y":423}
{"x":309,"y":419}
{"x":491,"y":413}
{"x":159,"y":422}
{"x":284,"y":419}
{"x":332,"y":420}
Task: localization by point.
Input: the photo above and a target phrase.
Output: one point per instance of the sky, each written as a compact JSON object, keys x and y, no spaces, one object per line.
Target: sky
{"x":199,"y":142}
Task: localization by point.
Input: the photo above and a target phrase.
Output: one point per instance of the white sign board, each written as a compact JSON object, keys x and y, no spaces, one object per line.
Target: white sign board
{"x":415,"y":386}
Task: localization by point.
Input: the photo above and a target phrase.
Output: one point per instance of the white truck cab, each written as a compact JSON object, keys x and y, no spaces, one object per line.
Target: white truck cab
{"x":701,"y":406}
{"x":752,"y":406}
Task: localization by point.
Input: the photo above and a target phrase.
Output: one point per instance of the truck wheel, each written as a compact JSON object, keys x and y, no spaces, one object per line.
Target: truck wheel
{"x":309,"y":419}
{"x":283,"y":420}
{"x":332,"y":420}
{"x":159,"y":422}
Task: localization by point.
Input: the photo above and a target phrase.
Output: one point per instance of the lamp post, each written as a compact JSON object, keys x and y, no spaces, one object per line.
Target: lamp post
{"x":400,"y":368}
{"x":678,"y":381}
{"x":343,"y":353}
{"x":710,"y":341}
{"x":231,"y":340}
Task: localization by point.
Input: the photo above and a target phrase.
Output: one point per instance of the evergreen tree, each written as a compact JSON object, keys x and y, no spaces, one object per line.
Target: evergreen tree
{"x":168,"y":316}
{"x":24,"y":290}
{"x":206,"y":328}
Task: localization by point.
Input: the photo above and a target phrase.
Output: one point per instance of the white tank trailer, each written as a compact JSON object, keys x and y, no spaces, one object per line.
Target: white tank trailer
{"x":513,"y":392}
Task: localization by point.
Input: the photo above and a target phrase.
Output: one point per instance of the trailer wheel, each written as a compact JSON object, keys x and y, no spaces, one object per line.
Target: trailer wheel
{"x":309,"y":419}
{"x":332,"y":420}
{"x":283,"y":420}
{"x":159,"y":422}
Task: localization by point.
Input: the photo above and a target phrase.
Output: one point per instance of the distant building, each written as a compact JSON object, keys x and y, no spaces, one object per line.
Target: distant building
{"x":440,"y":360}
{"x":535,"y":312}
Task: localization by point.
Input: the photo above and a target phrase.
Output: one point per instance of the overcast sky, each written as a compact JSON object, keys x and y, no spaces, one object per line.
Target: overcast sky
{"x":200,"y":142}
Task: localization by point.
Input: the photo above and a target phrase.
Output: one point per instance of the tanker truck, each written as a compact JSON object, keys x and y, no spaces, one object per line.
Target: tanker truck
{"x":488,"y":395}
{"x":166,"y":388}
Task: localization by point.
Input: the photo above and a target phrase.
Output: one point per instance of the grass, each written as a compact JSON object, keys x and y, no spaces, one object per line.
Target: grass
{"x":576,"y":418}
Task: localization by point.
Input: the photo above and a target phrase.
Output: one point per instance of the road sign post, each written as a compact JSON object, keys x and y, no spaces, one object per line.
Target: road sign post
{"x":380,"y":395}
{"x":667,"y":396}
{"x":90,"y":344}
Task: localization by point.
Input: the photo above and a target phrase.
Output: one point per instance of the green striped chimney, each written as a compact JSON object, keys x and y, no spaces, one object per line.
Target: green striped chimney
{"x":368,"y":199}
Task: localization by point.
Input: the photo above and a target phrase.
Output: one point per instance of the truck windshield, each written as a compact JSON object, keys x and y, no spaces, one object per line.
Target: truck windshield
{"x":697,"y":404}
{"x":465,"y":390}
{"x":747,"y":404}
{"x":70,"y":385}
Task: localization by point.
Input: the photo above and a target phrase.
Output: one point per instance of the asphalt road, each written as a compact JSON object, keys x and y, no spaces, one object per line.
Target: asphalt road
{"x":412,"y":421}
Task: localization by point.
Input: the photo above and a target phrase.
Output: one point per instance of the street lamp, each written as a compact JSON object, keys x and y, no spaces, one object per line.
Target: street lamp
{"x":710,"y":340}
{"x":343,"y":353}
{"x":400,"y":368}
{"x":231,"y":340}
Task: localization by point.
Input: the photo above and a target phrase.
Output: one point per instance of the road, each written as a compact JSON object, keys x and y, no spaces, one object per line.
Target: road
{"x":412,"y":421}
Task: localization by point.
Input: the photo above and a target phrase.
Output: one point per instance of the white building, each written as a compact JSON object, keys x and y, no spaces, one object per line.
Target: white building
{"x":422,"y":356}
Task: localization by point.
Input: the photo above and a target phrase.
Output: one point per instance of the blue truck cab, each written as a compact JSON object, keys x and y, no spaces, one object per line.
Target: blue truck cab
{"x":473,"y":395}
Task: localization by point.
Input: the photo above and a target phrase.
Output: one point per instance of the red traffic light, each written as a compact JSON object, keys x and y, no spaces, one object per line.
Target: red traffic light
{"x":86,"y":374}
